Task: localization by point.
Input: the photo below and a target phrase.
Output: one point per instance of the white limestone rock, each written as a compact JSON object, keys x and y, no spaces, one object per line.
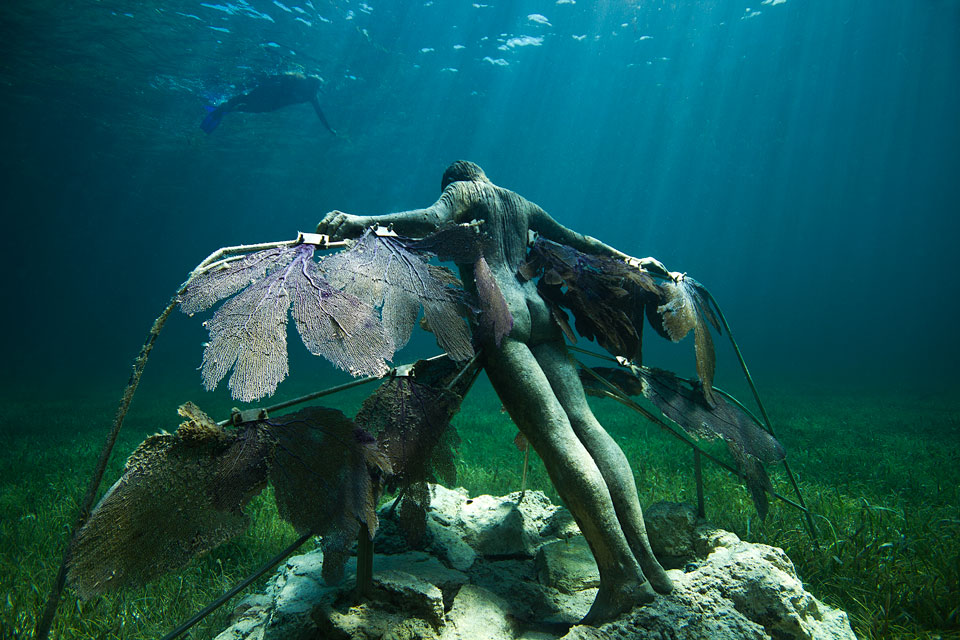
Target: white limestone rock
{"x":497,"y":570}
{"x":670,"y":527}
{"x":478,"y":614}
{"x":284,"y":609}
{"x":677,"y":536}
{"x":740,"y":591}
{"x":463,"y":528}
{"x":567,"y":566}
{"x":417,"y":563}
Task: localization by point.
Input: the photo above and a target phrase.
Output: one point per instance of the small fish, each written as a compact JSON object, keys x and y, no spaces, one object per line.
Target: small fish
{"x":539,"y":19}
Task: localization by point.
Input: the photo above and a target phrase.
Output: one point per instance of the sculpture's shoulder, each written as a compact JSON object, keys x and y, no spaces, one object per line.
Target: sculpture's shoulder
{"x":481,"y":200}
{"x":467,"y":191}
{"x":493,"y":195}
{"x":470,"y":199}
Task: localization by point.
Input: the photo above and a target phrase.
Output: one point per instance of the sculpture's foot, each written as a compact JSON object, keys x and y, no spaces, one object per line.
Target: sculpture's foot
{"x":658,"y":578}
{"x":613,"y":602}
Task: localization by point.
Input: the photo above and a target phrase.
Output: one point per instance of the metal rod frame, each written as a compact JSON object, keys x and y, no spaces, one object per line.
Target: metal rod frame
{"x":698,"y":474}
{"x":240,"y":586}
{"x":621,"y":396}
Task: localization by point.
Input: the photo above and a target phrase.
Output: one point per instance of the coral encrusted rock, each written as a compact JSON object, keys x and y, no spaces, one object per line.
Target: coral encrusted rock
{"x":493,"y":569}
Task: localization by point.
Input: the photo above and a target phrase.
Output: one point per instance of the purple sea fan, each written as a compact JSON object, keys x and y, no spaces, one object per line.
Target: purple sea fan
{"x":381,"y":270}
{"x":248,"y":333}
{"x":495,"y":316}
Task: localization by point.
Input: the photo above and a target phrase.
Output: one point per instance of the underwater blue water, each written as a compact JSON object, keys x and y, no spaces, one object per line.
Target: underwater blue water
{"x":801,"y":159}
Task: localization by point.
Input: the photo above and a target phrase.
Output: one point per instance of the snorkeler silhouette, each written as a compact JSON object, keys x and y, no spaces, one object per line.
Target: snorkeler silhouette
{"x":274,"y":92}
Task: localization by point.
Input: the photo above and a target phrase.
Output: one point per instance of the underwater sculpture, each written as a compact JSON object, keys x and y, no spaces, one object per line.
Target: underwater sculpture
{"x":355,"y":308}
{"x":528,"y":365}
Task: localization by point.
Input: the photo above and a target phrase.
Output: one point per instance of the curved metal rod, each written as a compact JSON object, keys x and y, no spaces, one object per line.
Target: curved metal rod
{"x":216,"y":258}
{"x":621,"y":396}
{"x":763,"y":412}
{"x":53,"y":600}
{"x":258,"y":412}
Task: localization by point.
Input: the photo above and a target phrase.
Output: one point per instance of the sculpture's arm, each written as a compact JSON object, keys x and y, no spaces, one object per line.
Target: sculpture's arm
{"x":415,"y":224}
{"x":545,"y":225}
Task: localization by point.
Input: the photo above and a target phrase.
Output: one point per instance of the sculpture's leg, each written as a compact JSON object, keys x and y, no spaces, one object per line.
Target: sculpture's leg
{"x":607,"y":454}
{"x":528,"y":397}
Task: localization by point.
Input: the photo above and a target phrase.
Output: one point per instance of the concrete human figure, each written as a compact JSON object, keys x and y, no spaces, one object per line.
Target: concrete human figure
{"x":272,"y":93}
{"x":537,"y":381}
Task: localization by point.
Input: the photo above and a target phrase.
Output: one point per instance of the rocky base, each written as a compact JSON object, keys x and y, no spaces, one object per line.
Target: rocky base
{"x":494,"y":569}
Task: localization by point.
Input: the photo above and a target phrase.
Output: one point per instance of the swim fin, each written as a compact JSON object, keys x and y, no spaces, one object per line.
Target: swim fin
{"x":212,"y":120}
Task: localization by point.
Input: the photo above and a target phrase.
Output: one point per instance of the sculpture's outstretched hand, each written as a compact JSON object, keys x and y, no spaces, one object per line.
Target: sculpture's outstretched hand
{"x":339,"y":225}
{"x":655,"y":266}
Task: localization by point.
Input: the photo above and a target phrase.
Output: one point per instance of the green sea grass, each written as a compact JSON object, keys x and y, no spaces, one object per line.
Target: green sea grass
{"x":881,"y":473}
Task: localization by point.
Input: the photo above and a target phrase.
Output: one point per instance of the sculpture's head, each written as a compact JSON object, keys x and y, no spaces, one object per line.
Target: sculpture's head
{"x":463,"y":171}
